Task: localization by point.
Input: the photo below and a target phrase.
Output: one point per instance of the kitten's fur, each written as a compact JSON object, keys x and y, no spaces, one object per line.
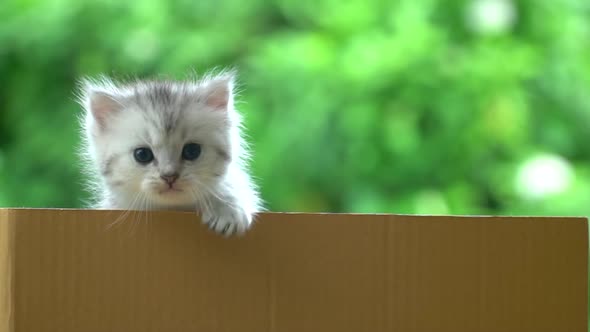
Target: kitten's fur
{"x":164,"y":116}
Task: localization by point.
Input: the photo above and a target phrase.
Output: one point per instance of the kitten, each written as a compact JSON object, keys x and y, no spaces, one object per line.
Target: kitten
{"x":169,"y":145}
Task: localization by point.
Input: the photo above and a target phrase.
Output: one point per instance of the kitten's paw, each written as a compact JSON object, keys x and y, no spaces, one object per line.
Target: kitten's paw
{"x":228,"y":221}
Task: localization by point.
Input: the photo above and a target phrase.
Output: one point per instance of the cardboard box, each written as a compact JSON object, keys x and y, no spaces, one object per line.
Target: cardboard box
{"x":70,"y":271}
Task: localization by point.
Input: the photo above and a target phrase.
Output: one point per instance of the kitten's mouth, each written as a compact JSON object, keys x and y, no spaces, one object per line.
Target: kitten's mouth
{"x":169,"y":190}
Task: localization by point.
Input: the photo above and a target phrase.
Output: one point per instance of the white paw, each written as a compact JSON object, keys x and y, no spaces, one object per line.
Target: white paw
{"x":227,"y":220}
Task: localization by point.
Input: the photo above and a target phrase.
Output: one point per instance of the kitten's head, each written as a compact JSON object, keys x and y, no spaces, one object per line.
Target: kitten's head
{"x":161,"y":143}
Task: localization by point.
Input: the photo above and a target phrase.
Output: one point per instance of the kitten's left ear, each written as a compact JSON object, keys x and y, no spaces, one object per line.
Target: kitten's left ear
{"x":218,"y":92}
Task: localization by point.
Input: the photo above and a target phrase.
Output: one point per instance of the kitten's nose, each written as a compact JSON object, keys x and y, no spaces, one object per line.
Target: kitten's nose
{"x":169,"y":178}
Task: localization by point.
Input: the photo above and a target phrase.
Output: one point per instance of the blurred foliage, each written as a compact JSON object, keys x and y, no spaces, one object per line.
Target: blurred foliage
{"x":463,"y":107}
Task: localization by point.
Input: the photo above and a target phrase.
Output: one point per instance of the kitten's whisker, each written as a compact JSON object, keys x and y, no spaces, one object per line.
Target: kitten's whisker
{"x":124,"y":215}
{"x":195,"y":200}
{"x":121,"y":216}
{"x":151,"y":215}
{"x":133,"y":211}
{"x":138,"y":213}
{"x":219,"y":198}
{"x":206,"y":189}
{"x":203,"y":204}
{"x":205,"y":201}
{"x":148,"y":211}
{"x":196,"y":197}
{"x":199,"y":204}
{"x":213,"y":193}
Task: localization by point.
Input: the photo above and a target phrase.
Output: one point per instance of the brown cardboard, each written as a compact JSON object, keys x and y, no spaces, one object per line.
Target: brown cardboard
{"x":67,"y":271}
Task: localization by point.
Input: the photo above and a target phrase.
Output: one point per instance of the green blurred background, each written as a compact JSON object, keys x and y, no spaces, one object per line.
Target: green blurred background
{"x":462,"y":107}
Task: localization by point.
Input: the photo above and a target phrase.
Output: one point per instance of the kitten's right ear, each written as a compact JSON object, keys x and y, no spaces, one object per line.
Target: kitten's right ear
{"x":102,"y":106}
{"x":99,"y":103}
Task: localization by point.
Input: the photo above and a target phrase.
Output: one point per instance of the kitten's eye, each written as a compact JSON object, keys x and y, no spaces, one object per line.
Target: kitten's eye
{"x":191,"y":151}
{"x":143,"y":155}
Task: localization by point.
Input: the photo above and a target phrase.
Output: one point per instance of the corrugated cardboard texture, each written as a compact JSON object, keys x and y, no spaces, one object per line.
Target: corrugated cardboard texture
{"x":67,"y":271}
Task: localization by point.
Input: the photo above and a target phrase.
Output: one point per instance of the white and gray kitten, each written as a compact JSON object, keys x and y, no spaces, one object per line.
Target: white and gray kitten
{"x":169,"y":145}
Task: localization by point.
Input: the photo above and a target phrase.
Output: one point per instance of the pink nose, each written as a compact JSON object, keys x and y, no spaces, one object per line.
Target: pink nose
{"x":169,"y":178}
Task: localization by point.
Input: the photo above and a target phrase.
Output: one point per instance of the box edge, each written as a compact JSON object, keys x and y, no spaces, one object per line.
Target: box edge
{"x":7,"y":234}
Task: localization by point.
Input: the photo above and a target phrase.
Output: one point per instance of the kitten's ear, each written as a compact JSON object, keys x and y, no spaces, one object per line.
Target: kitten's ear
{"x":218,"y":92}
{"x":99,"y":103}
{"x":102,"y":105}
